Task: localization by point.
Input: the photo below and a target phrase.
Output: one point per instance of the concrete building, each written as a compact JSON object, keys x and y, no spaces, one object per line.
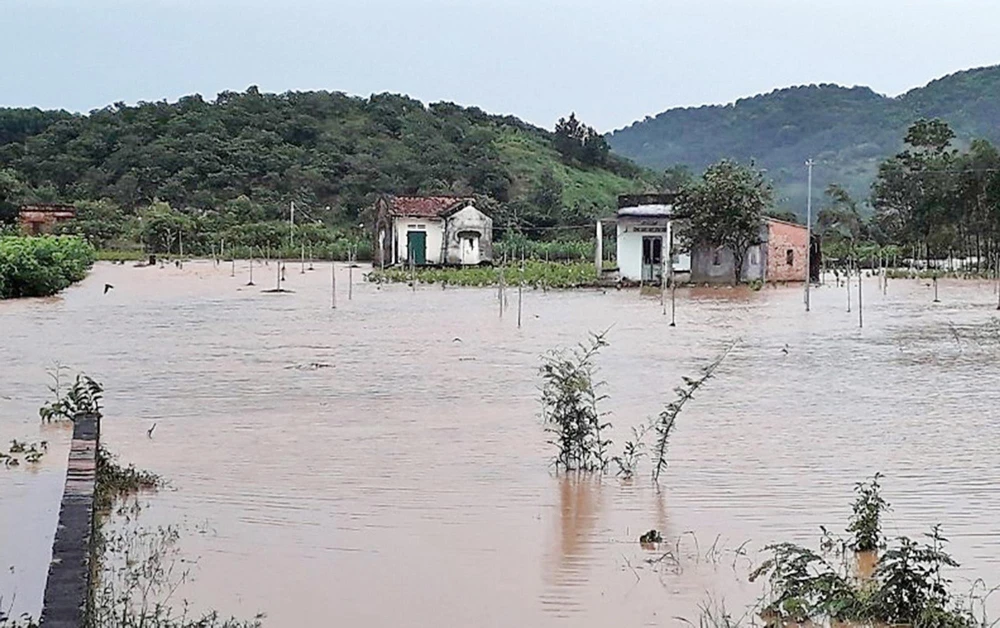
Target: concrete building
{"x":43,"y":217}
{"x":433,"y":230}
{"x":644,"y":228}
{"x":780,"y":257}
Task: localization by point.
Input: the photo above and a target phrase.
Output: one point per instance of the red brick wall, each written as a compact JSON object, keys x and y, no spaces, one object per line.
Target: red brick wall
{"x":782,"y":237}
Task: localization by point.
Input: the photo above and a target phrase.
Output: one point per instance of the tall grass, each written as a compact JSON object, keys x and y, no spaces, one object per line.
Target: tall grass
{"x":42,"y":266}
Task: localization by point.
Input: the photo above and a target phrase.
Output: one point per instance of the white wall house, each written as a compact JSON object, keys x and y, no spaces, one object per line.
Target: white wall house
{"x":644,"y":227}
{"x":432,"y":231}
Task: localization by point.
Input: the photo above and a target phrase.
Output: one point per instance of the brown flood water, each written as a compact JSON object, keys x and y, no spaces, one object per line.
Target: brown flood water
{"x":407,"y":482}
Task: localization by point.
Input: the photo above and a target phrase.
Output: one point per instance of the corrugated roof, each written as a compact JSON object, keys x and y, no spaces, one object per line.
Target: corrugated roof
{"x":425,"y":206}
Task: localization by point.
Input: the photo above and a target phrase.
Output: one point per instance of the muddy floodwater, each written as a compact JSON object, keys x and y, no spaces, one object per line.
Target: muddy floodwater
{"x":383,"y":464}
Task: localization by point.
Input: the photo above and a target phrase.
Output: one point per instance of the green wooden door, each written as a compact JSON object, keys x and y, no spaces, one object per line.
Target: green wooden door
{"x":416,"y":244}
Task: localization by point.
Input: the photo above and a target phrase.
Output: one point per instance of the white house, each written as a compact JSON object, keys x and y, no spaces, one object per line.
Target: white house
{"x":432,"y":231}
{"x":644,"y":230}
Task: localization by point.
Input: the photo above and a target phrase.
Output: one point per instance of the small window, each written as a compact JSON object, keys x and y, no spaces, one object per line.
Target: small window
{"x":790,"y":257}
{"x":715,"y":258}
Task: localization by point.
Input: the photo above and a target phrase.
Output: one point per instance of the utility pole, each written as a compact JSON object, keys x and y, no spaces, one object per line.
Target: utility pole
{"x":291,"y":225}
{"x":809,"y":220}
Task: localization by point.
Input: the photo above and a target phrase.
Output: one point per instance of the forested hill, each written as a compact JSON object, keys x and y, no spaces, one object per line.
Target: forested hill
{"x":847,"y":131}
{"x":246,"y":155}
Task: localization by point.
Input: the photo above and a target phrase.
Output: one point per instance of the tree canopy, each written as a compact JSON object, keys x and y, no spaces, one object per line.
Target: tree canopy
{"x":245,"y":156}
{"x":726,"y":207}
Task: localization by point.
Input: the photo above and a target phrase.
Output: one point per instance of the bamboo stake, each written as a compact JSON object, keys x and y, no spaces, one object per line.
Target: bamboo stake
{"x":861,"y":322}
{"x":847,"y":276}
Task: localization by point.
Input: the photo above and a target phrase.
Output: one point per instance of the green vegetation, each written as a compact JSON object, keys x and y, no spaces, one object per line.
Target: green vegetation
{"x":846,"y":130}
{"x":116,"y":482}
{"x":38,"y":267}
{"x":23,"y":451}
{"x":82,"y":398}
{"x":570,"y":413}
{"x":535,"y":273}
{"x":909,"y":585}
{"x":202,"y":171}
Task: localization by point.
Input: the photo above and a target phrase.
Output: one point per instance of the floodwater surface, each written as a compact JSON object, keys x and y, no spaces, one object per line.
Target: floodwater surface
{"x":384,"y":463}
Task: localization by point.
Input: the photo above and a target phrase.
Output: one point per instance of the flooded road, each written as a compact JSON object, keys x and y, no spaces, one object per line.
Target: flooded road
{"x":384,"y":463}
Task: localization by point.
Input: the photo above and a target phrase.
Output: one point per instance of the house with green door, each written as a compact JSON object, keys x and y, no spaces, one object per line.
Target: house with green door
{"x":431,"y":231}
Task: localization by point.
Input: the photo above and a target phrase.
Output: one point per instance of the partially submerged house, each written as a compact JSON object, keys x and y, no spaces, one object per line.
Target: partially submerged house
{"x":779,"y":257}
{"x":644,"y":229}
{"x":431,"y":230}
{"x":41,"y":218}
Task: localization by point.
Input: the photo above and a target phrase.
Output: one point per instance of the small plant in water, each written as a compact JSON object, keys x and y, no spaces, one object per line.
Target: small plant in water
{"x":570,"y":407}
{"x":115,"y":481}
{"x":908,"y":586}
{"x":83,"y":397}
{"x":664,"y":423}
{"x":22,"y":451}
{"x":865,"y":525}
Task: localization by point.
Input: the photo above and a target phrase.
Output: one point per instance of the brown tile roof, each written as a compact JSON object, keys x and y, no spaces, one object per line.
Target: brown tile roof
{"x":48,"y":208}
{"x":424,"y":206}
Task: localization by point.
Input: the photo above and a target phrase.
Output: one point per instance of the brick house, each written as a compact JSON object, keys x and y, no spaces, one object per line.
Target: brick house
{"x":780,"y":257}
{"x":41,"y":218}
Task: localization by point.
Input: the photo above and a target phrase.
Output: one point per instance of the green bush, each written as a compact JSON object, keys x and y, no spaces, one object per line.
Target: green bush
{"x":42,"y":266}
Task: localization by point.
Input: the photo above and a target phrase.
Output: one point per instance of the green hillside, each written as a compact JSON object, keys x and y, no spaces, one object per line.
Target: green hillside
{"x":847,"y":131}
{"x":244,"y":156}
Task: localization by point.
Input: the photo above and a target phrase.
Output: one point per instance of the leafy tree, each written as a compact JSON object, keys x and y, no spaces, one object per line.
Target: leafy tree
{"x":915,"y":190}
{"x":726,"y":207}
{"x":576,"y":141}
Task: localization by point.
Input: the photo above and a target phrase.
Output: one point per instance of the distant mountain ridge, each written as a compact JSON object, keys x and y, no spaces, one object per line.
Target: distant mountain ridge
{"x":847,"y":131}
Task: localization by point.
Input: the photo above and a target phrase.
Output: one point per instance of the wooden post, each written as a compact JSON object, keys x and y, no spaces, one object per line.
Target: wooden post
{"x":333,"y":282}
{"x":303,"y":271}
{"x":847,"y":282}
{"x":673,"y":280}
{"x":250,"y":283}
{"x":936,"y":300}
{"x":861,"y":322}
{"x":520,"y":288}
{"x":232,"y":270}
{"x":278,"y":276}
{"x":350,"y":277}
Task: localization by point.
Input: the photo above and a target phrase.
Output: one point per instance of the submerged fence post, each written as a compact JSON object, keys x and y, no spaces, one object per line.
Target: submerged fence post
{"x":936,"y":300}
{"x":333,"y":282}
{"x":303,"y":271}
{"x":861,"y":322}
{"x":250,"y":283}
{"x":520,"y":288}
{"x":232,"y":269}
{"x":350,"y":276}
{"x":67,"y":588}
{"x":847,"y":282}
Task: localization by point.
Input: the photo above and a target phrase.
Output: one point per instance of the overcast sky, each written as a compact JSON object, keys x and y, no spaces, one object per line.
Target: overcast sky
{"x":611,"y":61}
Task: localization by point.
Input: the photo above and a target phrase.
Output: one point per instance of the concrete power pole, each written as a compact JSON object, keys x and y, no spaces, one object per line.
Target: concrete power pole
{"x":809,"y":219}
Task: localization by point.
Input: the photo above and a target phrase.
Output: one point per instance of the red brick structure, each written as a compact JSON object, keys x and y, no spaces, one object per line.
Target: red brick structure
{"x":42,"y":217}
{"x":786,"y":251}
